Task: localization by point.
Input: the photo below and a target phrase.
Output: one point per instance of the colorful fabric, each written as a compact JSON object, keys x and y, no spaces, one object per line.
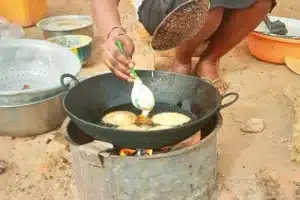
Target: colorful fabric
{"x":152,"y":12}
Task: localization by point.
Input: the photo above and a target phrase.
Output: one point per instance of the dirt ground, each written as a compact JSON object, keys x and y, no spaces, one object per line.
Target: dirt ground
{"x":250,"y":166}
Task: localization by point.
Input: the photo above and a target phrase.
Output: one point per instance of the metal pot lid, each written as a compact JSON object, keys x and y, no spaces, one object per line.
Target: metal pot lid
{"x":183,"y":23}
{"x":65,"y":23}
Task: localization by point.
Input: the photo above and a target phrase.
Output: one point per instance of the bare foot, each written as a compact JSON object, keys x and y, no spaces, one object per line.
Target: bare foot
{"x":178,"y":67}
{"x":208,"y":71}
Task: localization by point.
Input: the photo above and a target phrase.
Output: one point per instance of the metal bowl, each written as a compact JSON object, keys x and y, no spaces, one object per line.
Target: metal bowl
{"x":80,"y":45}
{"x":31,"y":70}
{"x":33,"y":118}
{"x":66,"y":25}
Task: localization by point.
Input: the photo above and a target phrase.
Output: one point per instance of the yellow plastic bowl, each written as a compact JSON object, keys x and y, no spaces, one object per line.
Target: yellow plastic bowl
{"x":80,"y":45}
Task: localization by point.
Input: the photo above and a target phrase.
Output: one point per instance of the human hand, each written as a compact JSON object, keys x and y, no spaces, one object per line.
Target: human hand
{"x":119,"y":63}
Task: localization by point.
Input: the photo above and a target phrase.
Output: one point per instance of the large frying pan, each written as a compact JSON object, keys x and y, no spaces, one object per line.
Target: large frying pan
{"x":87,"y":102}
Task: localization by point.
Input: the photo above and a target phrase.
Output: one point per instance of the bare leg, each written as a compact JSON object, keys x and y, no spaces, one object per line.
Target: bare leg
{"x":232,"y":31}
{"x":184,"y":52}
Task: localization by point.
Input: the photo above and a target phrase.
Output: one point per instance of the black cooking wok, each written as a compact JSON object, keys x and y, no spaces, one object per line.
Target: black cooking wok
{"x":88,"y":101}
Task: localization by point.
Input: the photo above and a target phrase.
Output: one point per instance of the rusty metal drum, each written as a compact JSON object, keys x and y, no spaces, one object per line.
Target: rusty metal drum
{"x":185,"y":174}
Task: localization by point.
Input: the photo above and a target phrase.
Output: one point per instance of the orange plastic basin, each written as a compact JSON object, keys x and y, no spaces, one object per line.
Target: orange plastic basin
{"x":23,"y":12}
{"x":272,"y":49}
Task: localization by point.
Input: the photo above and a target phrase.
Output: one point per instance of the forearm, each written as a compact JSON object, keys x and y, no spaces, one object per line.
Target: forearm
{"x":106,"y":16}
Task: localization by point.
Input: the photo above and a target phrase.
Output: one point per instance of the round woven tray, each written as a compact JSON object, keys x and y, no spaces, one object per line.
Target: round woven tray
{"x":183,"y":23}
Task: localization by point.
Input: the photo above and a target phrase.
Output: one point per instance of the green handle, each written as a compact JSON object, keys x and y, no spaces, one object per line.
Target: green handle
{"x":133,"y":72}
{"x":119,"y":44}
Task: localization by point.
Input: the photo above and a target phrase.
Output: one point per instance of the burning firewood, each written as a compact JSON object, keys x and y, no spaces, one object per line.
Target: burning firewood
{"x":127,"y":152}
{"x":141,"y":152}
{"x":133,"y":152}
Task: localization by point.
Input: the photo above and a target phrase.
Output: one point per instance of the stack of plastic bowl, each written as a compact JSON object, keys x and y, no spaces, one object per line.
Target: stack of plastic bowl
{"x":80,"y":45}
{"x":30,"y":90}
{"x":74,"y":32}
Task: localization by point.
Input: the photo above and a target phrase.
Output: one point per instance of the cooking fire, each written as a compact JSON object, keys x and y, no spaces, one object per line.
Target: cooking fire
{"x":137,"y":152}
{"x":190,"y":166}
{"x":149,"y":152}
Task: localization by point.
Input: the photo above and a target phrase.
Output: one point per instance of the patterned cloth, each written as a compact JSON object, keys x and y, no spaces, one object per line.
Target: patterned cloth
{"x":152,"y":12}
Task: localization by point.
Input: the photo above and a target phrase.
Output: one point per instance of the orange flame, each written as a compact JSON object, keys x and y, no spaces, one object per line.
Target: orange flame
{"x":127,"y":152}
{"x":132,"y":152}
{"x":149,"y":152}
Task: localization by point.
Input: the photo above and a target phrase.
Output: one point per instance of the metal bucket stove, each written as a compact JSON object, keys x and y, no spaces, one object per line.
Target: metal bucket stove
{"x":185,"y":174}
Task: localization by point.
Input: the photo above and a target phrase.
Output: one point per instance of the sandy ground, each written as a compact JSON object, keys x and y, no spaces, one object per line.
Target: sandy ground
{"x":250,"y":166}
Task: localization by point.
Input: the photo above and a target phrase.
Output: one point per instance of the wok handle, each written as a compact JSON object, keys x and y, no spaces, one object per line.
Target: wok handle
{"x":62,"y":78}
{"x":236,"y":97}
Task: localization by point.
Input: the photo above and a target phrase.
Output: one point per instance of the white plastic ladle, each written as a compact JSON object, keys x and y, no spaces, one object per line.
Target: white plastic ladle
{"x":141,"y":96}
